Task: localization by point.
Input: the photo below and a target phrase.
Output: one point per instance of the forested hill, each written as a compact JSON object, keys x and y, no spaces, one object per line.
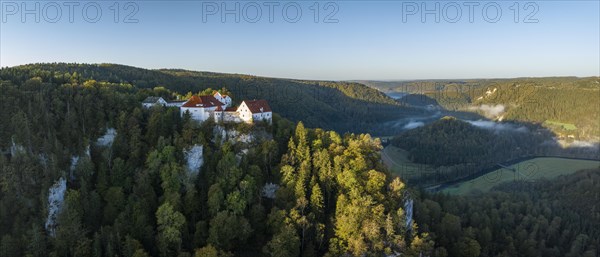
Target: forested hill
{"x":566,"y":105}
{"x":340,"y":106}
{"x":557,"y":217}
{"x":85,"y":170}
{"x":450,"y":141}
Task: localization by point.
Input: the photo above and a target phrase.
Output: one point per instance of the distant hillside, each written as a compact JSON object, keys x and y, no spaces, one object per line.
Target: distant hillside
{"x":449,"y":141}
{"x":340,"y":106}
{"x":569,"y":106}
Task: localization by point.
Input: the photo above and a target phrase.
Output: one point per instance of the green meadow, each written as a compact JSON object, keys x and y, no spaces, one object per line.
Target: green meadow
{"x":396,"y":159}
{"x":565,"y":126}
{"x":530,"y":170}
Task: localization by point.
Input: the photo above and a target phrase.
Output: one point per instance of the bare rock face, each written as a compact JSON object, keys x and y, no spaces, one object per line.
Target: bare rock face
{"x":408,"y":208}
{"x":220,"y":135}
{"x":108,"y":138}
{"x":56,"y":198}
{"x":269,"y":190}
{"x":255,"y":136}
{"x":223,"y":135}
{"x":194,"y":159}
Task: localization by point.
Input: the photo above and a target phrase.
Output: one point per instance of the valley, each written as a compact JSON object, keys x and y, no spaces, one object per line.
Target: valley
{"x":299,"y":129}
{"x":565,"y":105}
{"x":95,"y":152}
{"x":510,"y":109}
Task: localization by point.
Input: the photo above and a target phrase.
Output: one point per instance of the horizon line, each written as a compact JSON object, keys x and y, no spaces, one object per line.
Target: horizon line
{"x":312,"y":79}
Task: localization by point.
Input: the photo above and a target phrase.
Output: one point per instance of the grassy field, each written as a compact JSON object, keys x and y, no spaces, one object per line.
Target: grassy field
{"x":566,"y":126}
{"x":529,"y":170}
{"x":397,"y":161}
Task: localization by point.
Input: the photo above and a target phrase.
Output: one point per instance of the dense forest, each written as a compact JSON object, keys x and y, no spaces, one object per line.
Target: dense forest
{"x":566,"y":105}
{"x":86,"y":171}
{"x":67,"y":188}
{"x":544,"y":218}
{"x":340,"y":106}
{"x":450,"y":141}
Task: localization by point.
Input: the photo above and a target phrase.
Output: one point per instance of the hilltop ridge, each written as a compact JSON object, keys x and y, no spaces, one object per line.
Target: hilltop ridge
{"x":340,"y":106}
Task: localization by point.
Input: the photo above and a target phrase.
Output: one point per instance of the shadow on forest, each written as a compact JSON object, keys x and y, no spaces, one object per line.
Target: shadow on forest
{"x":531,"y":140}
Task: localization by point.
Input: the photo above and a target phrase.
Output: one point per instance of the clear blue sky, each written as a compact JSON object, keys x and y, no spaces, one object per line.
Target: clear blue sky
{"x":369,"y":41}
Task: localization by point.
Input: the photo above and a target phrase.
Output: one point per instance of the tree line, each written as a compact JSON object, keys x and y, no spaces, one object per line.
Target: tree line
{"x":340,"y":106}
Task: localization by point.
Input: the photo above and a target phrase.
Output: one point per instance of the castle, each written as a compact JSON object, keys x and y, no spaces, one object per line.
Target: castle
{"x":218,"y":107}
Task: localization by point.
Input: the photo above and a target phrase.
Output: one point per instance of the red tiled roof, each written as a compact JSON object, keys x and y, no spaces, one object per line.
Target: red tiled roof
{"x":217,"y":92}
{"x":202,"y":101}
{"x":258,"y":106}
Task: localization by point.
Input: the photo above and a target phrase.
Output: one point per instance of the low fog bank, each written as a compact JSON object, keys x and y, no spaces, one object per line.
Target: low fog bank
{"x":497,"y":126}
